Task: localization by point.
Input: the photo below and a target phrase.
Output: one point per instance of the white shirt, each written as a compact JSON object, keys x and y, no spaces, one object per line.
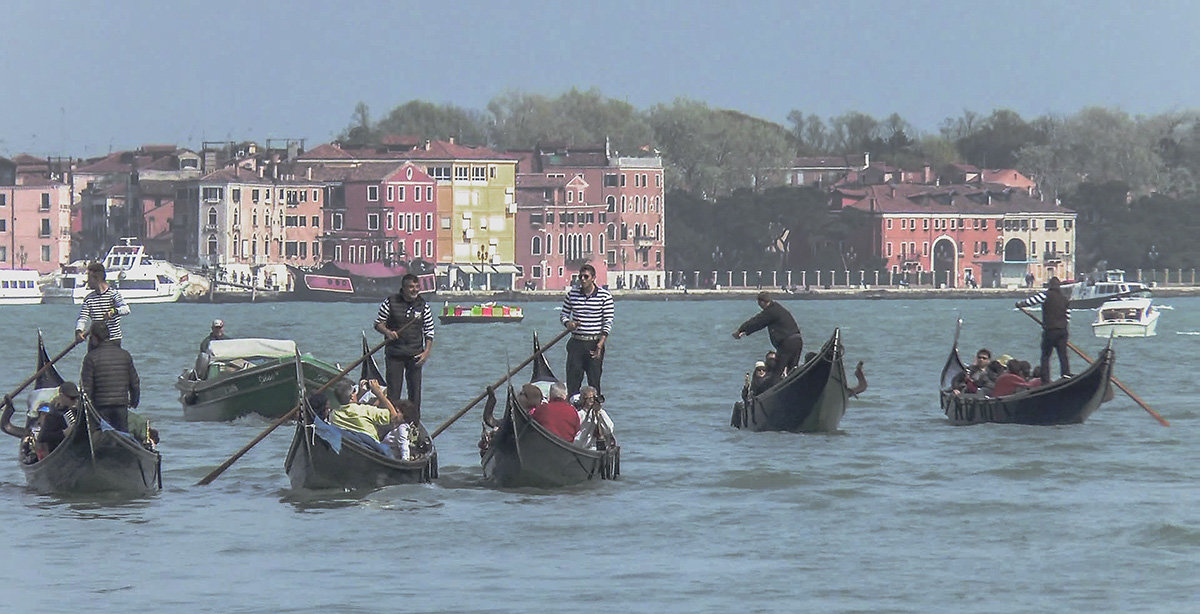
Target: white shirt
{"x":587,"y":428}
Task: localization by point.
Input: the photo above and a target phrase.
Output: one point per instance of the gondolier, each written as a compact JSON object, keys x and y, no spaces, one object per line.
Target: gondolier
{"x":1056,"y":324}
{"x":587,"y":311}
{"x":781,"y":326}
{"x":102,"y":304}
{"x":410,"y":341}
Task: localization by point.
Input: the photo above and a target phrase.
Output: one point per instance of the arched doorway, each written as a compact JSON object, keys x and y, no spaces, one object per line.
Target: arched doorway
{"x":944,"y":256}
{"x":1014,"y":251}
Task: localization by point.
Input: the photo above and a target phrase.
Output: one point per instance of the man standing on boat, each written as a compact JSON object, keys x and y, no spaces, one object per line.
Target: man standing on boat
{"x":1056,"y":323}
{"x":102,"y":304}
{"x":406,"y":321}
{"x":587,"y":311}
{"x":109,"y":378}
{"x":785,"y":334}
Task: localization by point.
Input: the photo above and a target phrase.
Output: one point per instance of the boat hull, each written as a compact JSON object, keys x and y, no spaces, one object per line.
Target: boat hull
{"x":312,"y":464}
{"x":812,"y":399}
{"x":1065,"y":401}
{"x":112,"y":462}
{"x":522,"y":453}
{"x":267,"y":390}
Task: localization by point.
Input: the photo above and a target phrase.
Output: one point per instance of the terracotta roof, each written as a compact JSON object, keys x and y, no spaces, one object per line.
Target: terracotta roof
{"x":325,"y":151}
{"x":234,"y":175}
{"x":946,"y":199}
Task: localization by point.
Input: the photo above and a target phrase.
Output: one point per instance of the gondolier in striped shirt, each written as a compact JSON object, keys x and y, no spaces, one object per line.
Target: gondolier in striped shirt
{"x":587,"y":312}
{"x":1056,"y":325}
{"x":102,"y":304}
{"x":406,"y":321}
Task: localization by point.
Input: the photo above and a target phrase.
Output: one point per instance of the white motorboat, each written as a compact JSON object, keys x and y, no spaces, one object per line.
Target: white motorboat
{"x":1127,"y":317}
{"x":1095,"y":292}
{"x":19,"y":287}
{"x":138,"y":277}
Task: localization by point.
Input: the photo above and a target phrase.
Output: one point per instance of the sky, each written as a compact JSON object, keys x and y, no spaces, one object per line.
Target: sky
{"x":86,"y":78}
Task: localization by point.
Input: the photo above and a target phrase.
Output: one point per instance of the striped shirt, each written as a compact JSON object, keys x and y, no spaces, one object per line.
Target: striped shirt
{"x":426,"y":315}
{"x":1036,"y":300}
{"x":592,"y":312}
{"x":103,"y":306}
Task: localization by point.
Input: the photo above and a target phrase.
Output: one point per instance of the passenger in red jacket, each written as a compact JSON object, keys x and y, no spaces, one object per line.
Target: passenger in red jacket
{"x":1011,"y":381}
{"x":558,"y":415}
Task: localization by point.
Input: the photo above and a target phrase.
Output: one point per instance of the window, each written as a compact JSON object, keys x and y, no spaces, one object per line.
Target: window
{"x":983,"y":224}
{"x":925,"y":226}
{"x":372,"y":221}
{"x":316,"y":250}
{"x":1066,"y":224}
{"x":316,"y":196}
{"x":45,"y":253}
{"x":3,"y":225}
{"x":537,"y":271}
{"x":610,"y":180}
{"x":337,"y":221}
{"x":213,"y":194}
{"x":391,"y":192}
{"x":372,"y":193}
{"x":290,"y":221}
{"x":389,"y":220}
{"x":316,"y":221}
{"x":44,"y":231}
{"x":445,"y":222}
{"x":428,"y":221}
{"x":416,"y":194}
{"x":417,"y":222}
{"x":408,"y":224}
{"x":304,"y":219}
{"x":535,"y":247}
{"x":254,"y":196}
{"x":400,"y":192}
{"x":622,"y":179}
{"x":429,"y":248}
{"x":1051,"y":224}
{"x":429,"y":193}
{"x":3,"y":200}
{"x":889,"y":224}
{"x":290,"y":249}
{"x":212,"y":244}
{"x":479,"y":173}
{"x":416,"y":249}
{"x":1066,"y":247}
{"x":441,"y":173}
{"x":237,"y":195}
{"x":570,"y":196}
{"x":461,"y":173}
{"x":304,"y":249}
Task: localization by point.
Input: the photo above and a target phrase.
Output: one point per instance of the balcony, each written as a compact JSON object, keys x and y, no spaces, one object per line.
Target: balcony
{"x":1053,"y":256}
{"x":644,"y":241}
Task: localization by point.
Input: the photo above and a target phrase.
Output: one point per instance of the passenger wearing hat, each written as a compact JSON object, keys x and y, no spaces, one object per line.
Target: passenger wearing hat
{"x":217,"y":334}
{"x":110,"y":379}
{"x":55,"y":417}
{"x":781,"y":326}
{"x":103,"y":304}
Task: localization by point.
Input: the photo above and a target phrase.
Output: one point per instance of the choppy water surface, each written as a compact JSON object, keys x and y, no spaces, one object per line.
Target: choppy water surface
{"x":899,"y":512}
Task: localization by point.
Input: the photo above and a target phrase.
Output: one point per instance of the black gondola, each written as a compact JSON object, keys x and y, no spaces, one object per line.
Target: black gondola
{"x":90,"y":459}
{"x":522,"y":452}
{"x":1065,"y":401}
{"x":314,"y":462}
{"x":810,"y":399}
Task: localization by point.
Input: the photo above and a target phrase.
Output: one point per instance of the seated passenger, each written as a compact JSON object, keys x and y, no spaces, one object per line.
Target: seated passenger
{"x":55,"y":418}
{"x":595,"y":426}
{"x":361,"y":423}
{"x":754,"y":380}
{"x":400,"y":439}
{"x":1010,"y":381}
{"x":557,"y":415}
{"x":988,"y":380}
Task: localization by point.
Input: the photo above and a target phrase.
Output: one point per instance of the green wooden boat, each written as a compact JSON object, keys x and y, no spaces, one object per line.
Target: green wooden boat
{"x":237,"y":377}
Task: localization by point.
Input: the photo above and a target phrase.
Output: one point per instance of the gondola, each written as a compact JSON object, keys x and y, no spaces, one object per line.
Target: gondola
{"x":522,"y":452}
{"x":92,"y":458}
{"x":320,"y":459}
{"x":810,"y":399}
{"x":1065,"y":401}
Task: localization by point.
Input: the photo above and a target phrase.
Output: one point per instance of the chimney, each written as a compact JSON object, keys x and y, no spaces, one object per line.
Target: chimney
{"x":260,"y":171}
{"x":427,"y":144}
{"x":451,"y":140}
{"x":308,"y":173}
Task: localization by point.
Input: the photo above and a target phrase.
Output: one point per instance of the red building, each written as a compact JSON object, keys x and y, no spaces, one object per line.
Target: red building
{"x":962,"y":233}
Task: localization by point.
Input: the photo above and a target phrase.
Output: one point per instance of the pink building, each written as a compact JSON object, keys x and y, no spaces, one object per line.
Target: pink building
{"x":561,"y":225}
{"x":35,"y":225}
{"x":379,"y":213}
{"x":631,"y":190}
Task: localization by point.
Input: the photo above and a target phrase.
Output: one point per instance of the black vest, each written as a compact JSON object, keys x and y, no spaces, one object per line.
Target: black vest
{"x":412,"y":339}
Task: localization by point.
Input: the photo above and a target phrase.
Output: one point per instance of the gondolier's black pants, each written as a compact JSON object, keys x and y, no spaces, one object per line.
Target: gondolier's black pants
{"x":579,"y":362}
{"x":789,"y":352}
{"x":1055,"y":339}
{"x":401,"y":372}
{"x":116,"y":415}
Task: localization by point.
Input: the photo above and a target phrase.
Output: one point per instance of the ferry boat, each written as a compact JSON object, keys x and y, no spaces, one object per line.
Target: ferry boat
{"x":480,"y":314}
{"x":1128,"y":317}
{"x":1112,"y":285}
{"x":138,"y":277}
{"x":19,"y":287}
{"x":356,"y":282}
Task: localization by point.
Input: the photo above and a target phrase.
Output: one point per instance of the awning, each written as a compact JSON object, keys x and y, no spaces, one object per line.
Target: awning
{"x":497,"y":269}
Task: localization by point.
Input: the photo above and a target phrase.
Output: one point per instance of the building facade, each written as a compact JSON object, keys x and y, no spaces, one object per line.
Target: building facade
{"x":561,"y":225}
{"x":35,"y":225}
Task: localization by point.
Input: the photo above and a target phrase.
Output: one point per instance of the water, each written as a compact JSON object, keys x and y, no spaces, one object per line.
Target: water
{"x":899,"y":512}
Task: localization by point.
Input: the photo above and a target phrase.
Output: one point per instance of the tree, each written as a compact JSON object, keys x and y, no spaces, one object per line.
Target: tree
{"x":433,"y":121}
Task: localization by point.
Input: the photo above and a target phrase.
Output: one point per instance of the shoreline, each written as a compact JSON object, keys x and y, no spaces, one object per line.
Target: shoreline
{"x":815,"y":294}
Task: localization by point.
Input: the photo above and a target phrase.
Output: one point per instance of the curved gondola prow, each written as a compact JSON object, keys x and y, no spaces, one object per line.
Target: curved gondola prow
{"x":541,"y":367}
{"x":50,"y":377}
{"x":954,"y":365}
{"x":370,"y":370}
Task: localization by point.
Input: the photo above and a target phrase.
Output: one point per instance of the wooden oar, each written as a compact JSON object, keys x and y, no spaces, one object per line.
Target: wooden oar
{"x":1112,"y":378}
{"x":208,"y":479}
{"x":500,"y":381}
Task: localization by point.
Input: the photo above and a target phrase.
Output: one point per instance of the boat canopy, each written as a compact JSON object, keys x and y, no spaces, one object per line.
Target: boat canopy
{"x":230,"y":349}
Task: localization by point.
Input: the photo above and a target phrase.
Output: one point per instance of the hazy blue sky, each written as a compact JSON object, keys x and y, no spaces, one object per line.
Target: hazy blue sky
{"x":81,"y":78}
